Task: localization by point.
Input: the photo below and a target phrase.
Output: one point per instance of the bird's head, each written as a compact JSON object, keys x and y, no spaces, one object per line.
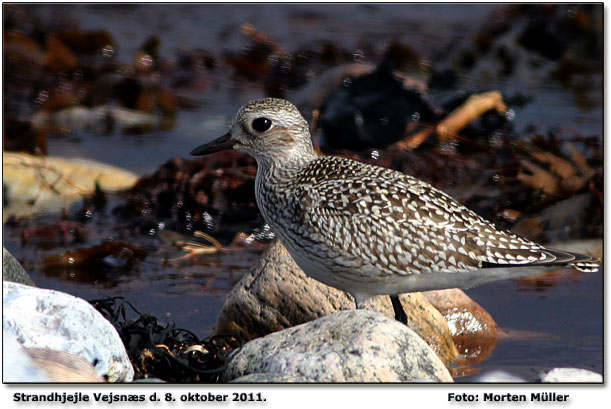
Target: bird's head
{"x":271,"y":130}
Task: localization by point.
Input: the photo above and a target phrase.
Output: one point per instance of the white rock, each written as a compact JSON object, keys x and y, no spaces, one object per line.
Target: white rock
{"x":17,"y":366}
{"x":348,"y":346}
{"x":41,"y":318}
{"x":499,"y":376}
{"x":563,"y":375}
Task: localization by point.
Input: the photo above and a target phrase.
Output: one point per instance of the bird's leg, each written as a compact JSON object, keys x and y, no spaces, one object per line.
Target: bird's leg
{"x":400,"y":314}
{"x":359,"y":304}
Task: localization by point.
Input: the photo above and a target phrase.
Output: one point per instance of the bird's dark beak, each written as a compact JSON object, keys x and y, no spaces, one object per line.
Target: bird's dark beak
{"x":219,"y":144}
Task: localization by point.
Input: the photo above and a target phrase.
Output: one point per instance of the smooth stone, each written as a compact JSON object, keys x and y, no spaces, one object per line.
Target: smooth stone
{"x":348,"y":346}
{"x":473,"y":329}
{"x":276,"y":294}
{"x":27,"y":180}
{"x":566,"y":375}
{"x":462,"y":313}
{"x":13,"y":271}
{"x":41,"y":318}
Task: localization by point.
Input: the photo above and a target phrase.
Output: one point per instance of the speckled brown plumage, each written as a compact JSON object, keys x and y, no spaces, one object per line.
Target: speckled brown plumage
{"x":366,"y":229}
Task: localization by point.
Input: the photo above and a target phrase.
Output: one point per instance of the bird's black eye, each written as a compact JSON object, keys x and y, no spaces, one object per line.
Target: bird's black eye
{"x":261,"y":124}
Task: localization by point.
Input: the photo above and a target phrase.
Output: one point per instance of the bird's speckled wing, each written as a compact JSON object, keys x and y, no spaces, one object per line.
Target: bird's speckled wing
{"x":403,"y":225}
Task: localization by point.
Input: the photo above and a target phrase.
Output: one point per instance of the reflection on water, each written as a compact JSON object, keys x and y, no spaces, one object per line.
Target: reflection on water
{"x":559,"y":325}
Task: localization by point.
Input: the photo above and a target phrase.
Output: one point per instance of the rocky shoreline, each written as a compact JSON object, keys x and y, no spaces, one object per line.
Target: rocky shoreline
{"x":300,"y":330}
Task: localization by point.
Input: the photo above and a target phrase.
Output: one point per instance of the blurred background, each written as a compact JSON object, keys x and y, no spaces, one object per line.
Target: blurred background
{"x":134,"y":87}
{"x":192,"y":66}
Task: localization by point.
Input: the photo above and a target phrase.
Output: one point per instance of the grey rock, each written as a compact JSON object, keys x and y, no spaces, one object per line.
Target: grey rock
{"x":12,"y":269}
{"x":569,"y":375}
{"x":41,"y":318}
{"x":276,"y":294}
{"x":348,"y":346}
{"x":270,"y":378}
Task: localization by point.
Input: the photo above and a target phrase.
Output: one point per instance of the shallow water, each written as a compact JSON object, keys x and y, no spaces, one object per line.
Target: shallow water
{"x":548,"y":326}
{"x":559,"y":325}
